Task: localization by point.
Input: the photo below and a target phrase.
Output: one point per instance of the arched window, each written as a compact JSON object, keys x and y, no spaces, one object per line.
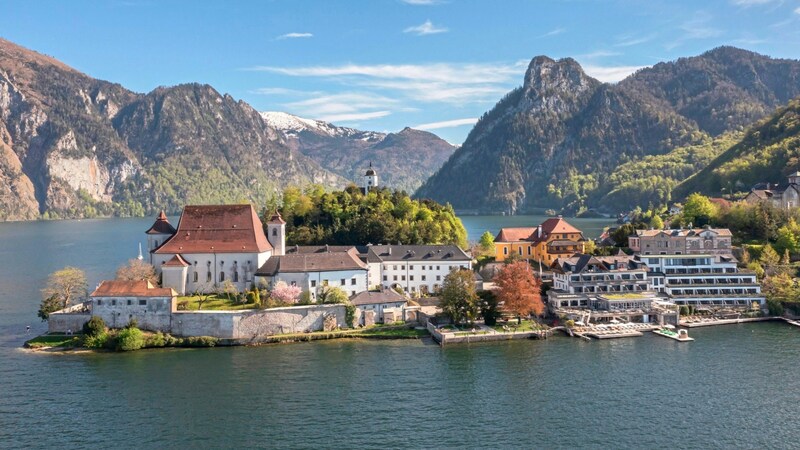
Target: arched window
{"x":274,"y":231}
{"x":222,"y":276}
{"x":195,"y":276}
{"x":236,"y":276}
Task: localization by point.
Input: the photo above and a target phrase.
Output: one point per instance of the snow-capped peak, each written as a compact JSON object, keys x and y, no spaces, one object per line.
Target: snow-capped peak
{"x":291,"y":125}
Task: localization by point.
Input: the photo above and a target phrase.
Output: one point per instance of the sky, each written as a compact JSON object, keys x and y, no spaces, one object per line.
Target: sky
{"x":384,"y":65}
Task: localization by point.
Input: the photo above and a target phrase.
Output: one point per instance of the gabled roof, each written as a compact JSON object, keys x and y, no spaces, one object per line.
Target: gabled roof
{"x":514,"y":234}
{"x":140,"y":288}
{"x":217,"y":229}
{"x":312,"y":262}
{"x":557,"y":225}
{"x":176,"y":261}
{"x":161,"y":225}
{"x":580,"y":262}
{"x":423,"y":253}
{"x":377,"y":297}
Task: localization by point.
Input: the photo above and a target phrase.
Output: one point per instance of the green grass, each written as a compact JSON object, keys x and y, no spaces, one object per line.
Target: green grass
{"x":526,"y":325}
{"x":390,"y":333}
{"x":54,"y":340}
{"x":214,"y":303}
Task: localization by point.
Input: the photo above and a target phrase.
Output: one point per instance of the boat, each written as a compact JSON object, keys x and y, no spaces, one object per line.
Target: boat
{"x":680,"y":336}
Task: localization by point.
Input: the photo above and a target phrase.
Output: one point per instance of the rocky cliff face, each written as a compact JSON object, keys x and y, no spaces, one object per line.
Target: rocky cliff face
{"x":73,"y":146}
{"x":553,"y":142}
{"x":403,"y":160}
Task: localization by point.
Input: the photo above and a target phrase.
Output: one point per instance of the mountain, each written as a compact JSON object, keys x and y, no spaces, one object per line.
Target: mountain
{"x":403,"y":160}
{"x":768,"y":152}
{"x":555,"y":141}
{"x":74,"y":146}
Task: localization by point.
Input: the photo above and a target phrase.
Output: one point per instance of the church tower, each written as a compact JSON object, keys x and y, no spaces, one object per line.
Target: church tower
{"x":158,"y":233}
{"x":276,"y":234}
{"x":370,"y":179}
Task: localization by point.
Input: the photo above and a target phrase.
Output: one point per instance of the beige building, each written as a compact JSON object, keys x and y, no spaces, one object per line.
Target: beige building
{"x":714,"y":241}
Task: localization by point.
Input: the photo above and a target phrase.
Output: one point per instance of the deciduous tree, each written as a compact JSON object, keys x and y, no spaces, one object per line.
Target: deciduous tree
{"x":698,"y":210}
{"x":332,"y":294}
{"x":285,"y":293}
{"x":458,"y":297}
{"x":136,"y":270}
{"x":519,"y":290}
{"x":64,"y":288}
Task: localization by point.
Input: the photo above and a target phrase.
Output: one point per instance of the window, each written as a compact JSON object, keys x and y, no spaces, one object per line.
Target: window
{"x":438,"y":278}
{"x":222,"y":276}
{"x":99,"y":302}
{"x":352,"y":293}
{"x":274,"y":231}
{"x":294,"y":283}
{"x":386,"y":278}
{"x":394,"y":278}
{"x":130,"y":302}
{"x":519,"y":251}
{"x":208,"y":277}
{"x":505,"y":250}
{"x":341,"y":282}
{"x":403,"y":278}
{"x":142,"y":302}
{"x":352,"y":281}
{"x":529,"y":250}
{"x":394,"y":267}
{"x":195,"y":277}
{"x":438,"y":268}
{"x":313,"y":283}
{"x":423,"y":277}
{"x":411,"y":277}
{"x":114,"y":302}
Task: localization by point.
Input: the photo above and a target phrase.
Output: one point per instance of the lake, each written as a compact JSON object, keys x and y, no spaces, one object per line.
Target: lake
{"x":734,"y":386}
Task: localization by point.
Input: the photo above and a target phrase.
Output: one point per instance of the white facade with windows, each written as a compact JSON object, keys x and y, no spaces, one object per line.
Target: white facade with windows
{"x":416,"y":269}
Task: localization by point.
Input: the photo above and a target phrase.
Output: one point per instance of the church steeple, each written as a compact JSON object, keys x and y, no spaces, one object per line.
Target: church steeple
{"x":159,"y":233}
{"x":370,"y":179}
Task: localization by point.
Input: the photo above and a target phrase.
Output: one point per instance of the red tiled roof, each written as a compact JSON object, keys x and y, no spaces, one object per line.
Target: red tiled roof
{"x":217,"y":229}
{"x":140,"y":288}
{"x":514,"y":234}
{"x":176,"y":261}
{"x":161,"y":225}
{"x":557,"y":225}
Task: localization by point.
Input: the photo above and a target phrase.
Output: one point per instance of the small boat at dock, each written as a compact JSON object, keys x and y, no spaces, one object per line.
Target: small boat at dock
{"x":680,"y":335}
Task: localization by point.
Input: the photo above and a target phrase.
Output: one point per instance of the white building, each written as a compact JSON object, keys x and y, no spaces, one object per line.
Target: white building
{"x":370,"y":179}
{"x":371,"y":306}
{"x":417,"y":269}
{"x":120,"y":302}
{"x":703,"y":280}
{"x":313,"y":271}
{"x":213,"y":244}
{"x":581,"y":274}
{"x":783,"y":198}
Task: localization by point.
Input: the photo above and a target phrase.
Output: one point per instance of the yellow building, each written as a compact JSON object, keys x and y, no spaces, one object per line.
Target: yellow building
{"x":554,"y":238}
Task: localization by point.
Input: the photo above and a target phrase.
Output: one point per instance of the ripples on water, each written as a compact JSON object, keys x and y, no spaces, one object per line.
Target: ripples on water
{"x":735,"y":386}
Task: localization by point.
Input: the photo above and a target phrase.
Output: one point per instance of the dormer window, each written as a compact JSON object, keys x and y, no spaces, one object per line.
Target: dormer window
{"x":274,"y":231}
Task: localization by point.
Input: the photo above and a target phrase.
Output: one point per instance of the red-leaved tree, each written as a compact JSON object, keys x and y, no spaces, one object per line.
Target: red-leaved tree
{"x":519,"y":290}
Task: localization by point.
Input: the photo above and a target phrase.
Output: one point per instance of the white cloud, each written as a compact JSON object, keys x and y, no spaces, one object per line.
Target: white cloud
{"x":425,"y":28}
{"x":634,"y":40}
{"x":698,"y":27}
{"x":294,"y":36}
{"x":747,"y":3}
{"x":446,"y":124}
{"x":797,"y":11}
{"x":598,"y":54}
{"x":452,"y":83}
{"x":343,"y":106}
{"x":554,"y":32}
{"x":610,"y":74}
{"x":335,"y":118}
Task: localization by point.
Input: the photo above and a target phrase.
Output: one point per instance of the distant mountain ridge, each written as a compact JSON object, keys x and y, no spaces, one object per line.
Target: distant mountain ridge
{"x":403,"y":160}
{"x":74,"y":146}
{"x":556,"y":141}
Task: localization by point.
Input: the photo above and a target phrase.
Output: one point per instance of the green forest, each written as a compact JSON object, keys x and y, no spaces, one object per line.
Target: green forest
{"x":314,"y":217}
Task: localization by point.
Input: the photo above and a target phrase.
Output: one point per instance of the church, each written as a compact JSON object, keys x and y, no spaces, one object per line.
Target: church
{"x":213,"y":244}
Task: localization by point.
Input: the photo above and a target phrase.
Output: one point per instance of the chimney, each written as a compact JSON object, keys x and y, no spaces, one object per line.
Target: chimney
{"x":390,"y":251}
{"x":539,"y":231}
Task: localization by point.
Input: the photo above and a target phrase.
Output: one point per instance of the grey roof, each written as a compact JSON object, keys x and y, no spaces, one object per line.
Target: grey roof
{"x":579,"y":262}
{"x":376,"y":297}
{"x":360,"y":249}
{"x":443,"y":253}
{"x":312,"y":262}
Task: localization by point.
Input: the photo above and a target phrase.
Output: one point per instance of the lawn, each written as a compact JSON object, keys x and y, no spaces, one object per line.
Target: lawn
{"x":393,"y":332}
{"x":526,"y":325}
{"x":214,"y":302}
{"x":54,"y":340}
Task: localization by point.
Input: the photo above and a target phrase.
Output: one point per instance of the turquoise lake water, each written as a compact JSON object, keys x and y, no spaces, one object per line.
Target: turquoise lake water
{"x":733,"y":387}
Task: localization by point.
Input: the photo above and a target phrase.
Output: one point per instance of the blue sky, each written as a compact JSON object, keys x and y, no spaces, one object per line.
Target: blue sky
{"x":384,"y":64}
